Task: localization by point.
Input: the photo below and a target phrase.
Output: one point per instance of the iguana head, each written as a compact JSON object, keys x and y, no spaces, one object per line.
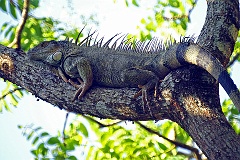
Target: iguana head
{"x":50,"y":52}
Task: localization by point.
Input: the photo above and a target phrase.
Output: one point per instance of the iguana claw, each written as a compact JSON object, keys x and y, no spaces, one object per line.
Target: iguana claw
{"x":144,"y":92}
{"x":82,"y":88}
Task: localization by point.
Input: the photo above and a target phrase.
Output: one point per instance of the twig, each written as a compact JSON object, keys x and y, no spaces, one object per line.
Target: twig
{"x":190,"y":10}
{"x":10,"y":92}
{"x":183,"y":16}
{"x":233,"y":60}
{"x":64,"y":127}
{"x":17,"y":38}
{"x":101,"y":124}
{"x":173,"y":142}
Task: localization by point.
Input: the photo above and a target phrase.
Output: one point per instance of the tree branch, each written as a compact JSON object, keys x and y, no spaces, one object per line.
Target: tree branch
{"x":101,"y":124}
{"x":40,"y":80}
{"x":64,"y":126}
{"x":233,"y":60}
{"x":19,"y":29}
{"x":220,"y":31}
{"x":11,"y":92}
{"x":182,"y":16}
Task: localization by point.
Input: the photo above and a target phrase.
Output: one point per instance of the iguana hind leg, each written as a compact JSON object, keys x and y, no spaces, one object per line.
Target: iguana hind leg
{"x":146,"y":80}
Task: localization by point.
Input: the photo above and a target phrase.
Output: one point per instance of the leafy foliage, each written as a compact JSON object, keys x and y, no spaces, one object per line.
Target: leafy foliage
{"x":169,"y":16}
{"x":232,"y":115}
{"x":123,"y":141}
{"x":53,"y":147}
{"x":35,"y":31}
{"x":10,"y":96}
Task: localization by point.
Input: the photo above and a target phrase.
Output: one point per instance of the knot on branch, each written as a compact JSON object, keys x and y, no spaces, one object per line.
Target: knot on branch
{"x":6,"y":64}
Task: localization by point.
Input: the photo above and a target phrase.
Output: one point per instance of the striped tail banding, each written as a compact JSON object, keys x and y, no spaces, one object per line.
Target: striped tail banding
{"x":194,"y":54}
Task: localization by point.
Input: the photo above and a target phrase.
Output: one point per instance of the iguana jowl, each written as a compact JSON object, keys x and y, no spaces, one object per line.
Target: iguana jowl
{"x":127,"y":65}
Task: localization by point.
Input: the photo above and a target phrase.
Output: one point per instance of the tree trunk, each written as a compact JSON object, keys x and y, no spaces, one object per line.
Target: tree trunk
{"x":188,"y":95}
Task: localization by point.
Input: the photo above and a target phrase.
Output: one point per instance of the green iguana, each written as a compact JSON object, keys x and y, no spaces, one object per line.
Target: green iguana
{"x":142,"y":64}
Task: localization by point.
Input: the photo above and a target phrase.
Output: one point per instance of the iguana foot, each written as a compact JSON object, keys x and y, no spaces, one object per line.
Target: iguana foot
{"x":144,"y":92}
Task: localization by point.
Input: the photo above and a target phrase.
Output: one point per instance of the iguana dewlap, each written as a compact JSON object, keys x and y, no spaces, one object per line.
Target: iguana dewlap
{"x":126,"y":66}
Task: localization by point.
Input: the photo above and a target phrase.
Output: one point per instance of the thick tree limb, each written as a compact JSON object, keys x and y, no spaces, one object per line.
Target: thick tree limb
{"x":220,"y":31}
{"x":41,"y":81}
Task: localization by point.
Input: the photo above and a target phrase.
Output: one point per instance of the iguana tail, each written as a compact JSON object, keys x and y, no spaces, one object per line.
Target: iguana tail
{"x":186,"y":53}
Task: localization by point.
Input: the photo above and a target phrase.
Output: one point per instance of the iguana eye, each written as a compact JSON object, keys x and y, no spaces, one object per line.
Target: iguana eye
{"x":57,"y":56}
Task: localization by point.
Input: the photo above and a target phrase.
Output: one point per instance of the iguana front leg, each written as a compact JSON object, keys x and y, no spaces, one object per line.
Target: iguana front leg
{"x":78,"y":67}
{"x":62,"y":75}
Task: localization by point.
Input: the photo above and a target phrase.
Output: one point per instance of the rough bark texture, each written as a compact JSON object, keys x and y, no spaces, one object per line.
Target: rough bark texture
{"x":201,"y":115}
{"x":220,"y":30}
{"x":188,"y":96}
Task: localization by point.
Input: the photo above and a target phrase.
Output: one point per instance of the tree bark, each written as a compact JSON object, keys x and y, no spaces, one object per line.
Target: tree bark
{"x":188,"y":95}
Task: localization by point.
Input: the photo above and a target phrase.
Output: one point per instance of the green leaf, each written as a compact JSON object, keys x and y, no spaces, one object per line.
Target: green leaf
{"x":150,"y":144}
{"x":4,"y":26}
{"x":53,"y":140}
{"x":72,"y":158}
{"x":34,"y":3}
{"x":3,"y":5}
{"x":35,"y":140}
{"x":183,"y":24}
{"x":12,"y":36}
{"x":126,"y":3}
{"x":6,"y":105}
{"x":151,"y":26}
{"x":90,"y":152}
{"x":135,"y":3}
{"x":69,"y":146}
{"x":18,"y":93}
{"x":174,"y":3}
{"x":143,"y":21}
{"x":10,"y":29}
{"x":128,"y":140}
{"x":20,"y":126}
{"x":13,"y":100}
{"x":34,"y":152}
{"x":41,"y":149}
{"x":83,"y":129}
{"x":30,"y":135}
{"x":162,"y":146}
{"x":44,"y":134}
{"x":13,"y":11}
{"x":38,"y":128}
{"x":105,"y":149}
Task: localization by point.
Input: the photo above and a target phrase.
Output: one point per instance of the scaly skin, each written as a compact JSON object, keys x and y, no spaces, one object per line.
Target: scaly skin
{"x":119,"y":67}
